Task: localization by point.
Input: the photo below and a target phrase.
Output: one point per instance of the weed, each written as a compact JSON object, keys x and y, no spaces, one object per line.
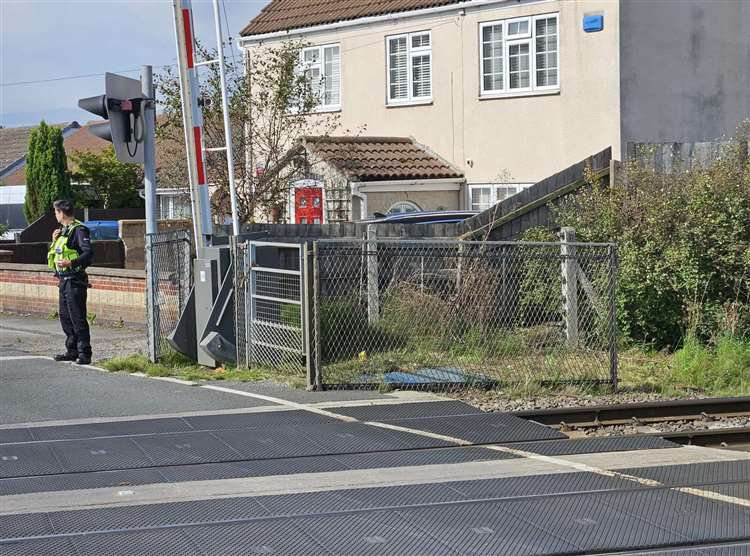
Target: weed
{"x":174,"y":364}
{"x":721,"y":369}
{"x":130,"y":364}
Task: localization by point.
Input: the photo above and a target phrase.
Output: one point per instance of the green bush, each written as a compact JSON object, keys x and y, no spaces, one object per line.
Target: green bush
{"x":684,"y":246}
{"x":345,"y":332}
{"x":290,"y":314}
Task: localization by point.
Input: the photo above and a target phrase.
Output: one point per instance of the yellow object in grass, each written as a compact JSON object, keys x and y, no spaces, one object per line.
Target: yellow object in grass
{"x":363,"y":356}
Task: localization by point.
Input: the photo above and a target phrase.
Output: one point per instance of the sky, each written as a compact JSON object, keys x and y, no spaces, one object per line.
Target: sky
{"x":43,"y":40}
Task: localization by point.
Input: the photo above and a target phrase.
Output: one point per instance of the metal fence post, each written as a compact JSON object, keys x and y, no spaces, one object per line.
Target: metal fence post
{"x":613,"y":278}
{"x":238,"y":264}
{"x":316,"y":332}
{"x":151,"y":306}
{"x":373,"y":301}
{"x":569,"y":267}
{"x":308,"y":284}
{"x":250,"y":301}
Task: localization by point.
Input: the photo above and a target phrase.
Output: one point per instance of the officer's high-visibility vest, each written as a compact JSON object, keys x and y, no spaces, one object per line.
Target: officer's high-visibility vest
{"x":59,"y":251}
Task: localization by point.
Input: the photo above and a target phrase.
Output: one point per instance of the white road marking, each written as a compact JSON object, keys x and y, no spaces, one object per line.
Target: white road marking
{"x":578,"y":466}
{"x":22,"y":357}
{"x":436,"y":436}
{"x":281,"y":401}
{"x":714,"y":496}
{"x":458,"y":441}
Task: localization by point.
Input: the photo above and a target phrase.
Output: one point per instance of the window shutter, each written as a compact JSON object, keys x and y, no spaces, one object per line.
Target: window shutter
{"x":332,"y":76}
{"x":519,"y":73}
{"x":421,"y":75}
{"x":546,"y":52}
{"x":398,"y":68}
{"x":492,"y":58}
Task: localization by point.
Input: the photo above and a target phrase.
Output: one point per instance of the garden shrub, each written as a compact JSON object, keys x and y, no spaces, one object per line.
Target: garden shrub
{"x":684,"y":245}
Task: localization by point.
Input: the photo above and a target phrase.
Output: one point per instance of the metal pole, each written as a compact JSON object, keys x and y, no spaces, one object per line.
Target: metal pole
{"x":151,"y":307}
{"x":227,"y":124}
{"x":192,"y":122}
{"x":317,"y":340}
{"x":149,"y":148}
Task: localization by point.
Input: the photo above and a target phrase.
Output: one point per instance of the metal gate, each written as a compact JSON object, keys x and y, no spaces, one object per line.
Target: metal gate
{"x":169,"y":277}
{"x":271,"y":305}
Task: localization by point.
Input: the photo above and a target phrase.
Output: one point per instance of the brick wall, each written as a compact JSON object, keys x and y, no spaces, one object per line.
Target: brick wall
{"x":115,"y":294}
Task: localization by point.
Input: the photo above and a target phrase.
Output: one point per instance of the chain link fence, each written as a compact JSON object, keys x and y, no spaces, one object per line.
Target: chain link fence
{"x":425,"y":313}
{"x":168,"y":281}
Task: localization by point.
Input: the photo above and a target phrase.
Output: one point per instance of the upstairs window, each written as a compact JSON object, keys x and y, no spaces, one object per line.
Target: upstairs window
{"x":322,"y":66}
{"x":519,"y":55}
{"x":409,"y":67}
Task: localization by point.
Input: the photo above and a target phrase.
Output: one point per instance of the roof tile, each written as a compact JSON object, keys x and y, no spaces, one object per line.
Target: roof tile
{"x":284,"y":15}
{"x":381,"y":158}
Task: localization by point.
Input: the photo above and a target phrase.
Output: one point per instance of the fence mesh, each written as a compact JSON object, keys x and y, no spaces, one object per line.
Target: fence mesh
{"x":168,"y":281}
{"x":457,"y":314}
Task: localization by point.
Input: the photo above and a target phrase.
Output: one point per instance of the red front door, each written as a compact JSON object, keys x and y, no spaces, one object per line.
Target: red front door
{"x":308,"y":205}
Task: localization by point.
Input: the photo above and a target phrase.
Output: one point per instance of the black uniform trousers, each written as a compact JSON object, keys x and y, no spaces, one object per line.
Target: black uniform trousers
{"x":73,"y":293}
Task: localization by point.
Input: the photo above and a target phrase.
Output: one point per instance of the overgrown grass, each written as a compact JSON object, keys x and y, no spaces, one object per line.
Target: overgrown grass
{"x":694,"y":370}
{"x":178,"y":366}
{"x":723,"y":369}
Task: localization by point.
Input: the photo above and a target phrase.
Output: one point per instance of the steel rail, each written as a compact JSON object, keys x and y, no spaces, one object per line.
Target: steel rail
{"x":671,"y":410}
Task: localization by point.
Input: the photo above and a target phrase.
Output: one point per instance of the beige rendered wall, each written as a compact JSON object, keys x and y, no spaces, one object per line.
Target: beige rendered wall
{"x":523,"y":139}
{"x":426,"y":200}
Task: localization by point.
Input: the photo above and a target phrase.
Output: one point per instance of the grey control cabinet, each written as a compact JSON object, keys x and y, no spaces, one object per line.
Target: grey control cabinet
{"x":210,"y":268}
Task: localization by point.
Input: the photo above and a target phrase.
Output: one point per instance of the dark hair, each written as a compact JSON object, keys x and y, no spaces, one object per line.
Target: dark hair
{"x":64,"y":206}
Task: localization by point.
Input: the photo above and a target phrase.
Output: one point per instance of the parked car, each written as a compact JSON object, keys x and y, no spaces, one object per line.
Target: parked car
{"x":423,"y":217}
{"x":103,"y":229}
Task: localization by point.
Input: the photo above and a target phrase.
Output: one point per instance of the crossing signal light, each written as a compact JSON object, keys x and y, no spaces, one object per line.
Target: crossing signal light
{"x":121,"y":106}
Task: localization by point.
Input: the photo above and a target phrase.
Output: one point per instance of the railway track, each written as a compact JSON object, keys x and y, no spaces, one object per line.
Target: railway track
{"x":641,"y":415}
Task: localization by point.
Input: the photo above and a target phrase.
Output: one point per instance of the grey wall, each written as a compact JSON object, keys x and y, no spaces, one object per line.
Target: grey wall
{"x":684,"y":69}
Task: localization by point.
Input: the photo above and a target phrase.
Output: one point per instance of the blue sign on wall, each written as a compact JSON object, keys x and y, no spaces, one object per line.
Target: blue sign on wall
{"x":593,"y":23}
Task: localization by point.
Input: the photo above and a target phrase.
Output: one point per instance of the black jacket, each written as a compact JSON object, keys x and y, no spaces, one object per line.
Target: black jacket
{"x":80,"y":241}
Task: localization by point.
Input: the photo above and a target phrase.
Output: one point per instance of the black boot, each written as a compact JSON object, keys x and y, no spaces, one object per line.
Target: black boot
{"x":83,"y":360}
{"x":66,"y":356}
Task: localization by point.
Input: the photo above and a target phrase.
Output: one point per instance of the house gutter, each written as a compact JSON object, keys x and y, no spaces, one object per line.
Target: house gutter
{"x":439,"y":184}
{"x":255,"y":39}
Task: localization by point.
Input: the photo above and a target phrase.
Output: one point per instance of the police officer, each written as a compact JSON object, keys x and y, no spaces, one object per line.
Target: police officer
{"x":69,"y":256}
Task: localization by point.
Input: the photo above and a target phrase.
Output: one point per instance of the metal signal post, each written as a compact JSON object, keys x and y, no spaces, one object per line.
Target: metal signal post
{"x":192,"y":121}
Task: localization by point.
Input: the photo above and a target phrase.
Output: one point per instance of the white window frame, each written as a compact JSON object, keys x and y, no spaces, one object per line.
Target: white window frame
{"x":530,"y":69}
{"x":528,"y":38}
{"x":411,"y":53}
{"x":526,"y":35}
{"x":556,"y":17}
{"x":494,"y":190}
{"x":320,"y":64}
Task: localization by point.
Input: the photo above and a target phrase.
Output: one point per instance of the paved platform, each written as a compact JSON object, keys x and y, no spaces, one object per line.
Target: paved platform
{"x":264,"y":475}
